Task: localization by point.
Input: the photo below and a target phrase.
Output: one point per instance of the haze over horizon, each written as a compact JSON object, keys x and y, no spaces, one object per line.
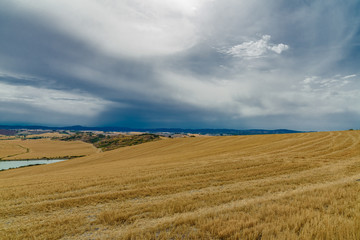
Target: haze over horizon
{"x":188,"y":64}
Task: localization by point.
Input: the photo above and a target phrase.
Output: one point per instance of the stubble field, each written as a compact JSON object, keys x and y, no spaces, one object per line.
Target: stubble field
{"x":291,"y":186}
{"x":43,"y":148}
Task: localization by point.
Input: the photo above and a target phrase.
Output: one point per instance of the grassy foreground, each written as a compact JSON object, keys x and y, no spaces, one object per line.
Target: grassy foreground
{"x":297,"y":186}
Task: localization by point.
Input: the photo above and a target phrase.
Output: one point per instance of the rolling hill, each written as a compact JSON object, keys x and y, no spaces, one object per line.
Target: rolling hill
{"x":289,"y":186}
{"x":43,"y":149}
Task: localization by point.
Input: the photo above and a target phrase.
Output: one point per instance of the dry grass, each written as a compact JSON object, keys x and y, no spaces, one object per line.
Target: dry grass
{"x":47,"y":135}
{"x":298,"y":186}
{"x":43,"y":148}
{"x":10,"y":148}
{"x":3,"y":137}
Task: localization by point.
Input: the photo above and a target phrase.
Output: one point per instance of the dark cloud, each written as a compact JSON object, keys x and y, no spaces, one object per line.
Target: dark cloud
{"x":224,"y":64}
{"x":156,"y":115}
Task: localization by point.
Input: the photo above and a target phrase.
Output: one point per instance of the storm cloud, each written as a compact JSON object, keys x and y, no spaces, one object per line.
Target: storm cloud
{"x":169,"y":63}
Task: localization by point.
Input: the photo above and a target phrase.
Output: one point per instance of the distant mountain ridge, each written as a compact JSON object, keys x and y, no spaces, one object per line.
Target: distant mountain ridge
{"x":157,"y":130}
{"x":7,"y":132}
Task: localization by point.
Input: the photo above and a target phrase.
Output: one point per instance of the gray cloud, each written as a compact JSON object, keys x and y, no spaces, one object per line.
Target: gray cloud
{"x":158,"y":63}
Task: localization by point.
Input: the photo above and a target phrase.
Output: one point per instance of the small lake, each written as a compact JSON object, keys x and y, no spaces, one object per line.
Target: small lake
{"x":22,"y":163}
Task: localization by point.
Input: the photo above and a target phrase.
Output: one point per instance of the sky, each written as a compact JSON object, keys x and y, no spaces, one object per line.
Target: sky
{"x":245,"y":64}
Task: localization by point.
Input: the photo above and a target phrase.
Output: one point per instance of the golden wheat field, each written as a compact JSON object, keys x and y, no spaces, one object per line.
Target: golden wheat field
{"x":47,"y":135}
{"x":291,"y":186}
{"x":2,"y":137}
{"x":43,"y":148}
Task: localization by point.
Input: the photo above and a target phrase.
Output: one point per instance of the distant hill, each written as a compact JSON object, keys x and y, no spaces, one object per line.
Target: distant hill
{"x":158,"y":130}
{"x":7,"y":132}
{"x":107,"y":143}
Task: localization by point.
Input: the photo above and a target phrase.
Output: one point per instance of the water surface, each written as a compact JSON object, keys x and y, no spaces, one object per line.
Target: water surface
{"x":22,"y":163}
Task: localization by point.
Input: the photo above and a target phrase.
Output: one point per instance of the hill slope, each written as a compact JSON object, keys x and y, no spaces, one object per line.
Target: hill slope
{"x":292,"y":186}
{"x":43,"y":148}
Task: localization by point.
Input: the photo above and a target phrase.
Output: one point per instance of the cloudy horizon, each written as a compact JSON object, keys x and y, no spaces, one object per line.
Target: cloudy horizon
{"x":188,"y":64}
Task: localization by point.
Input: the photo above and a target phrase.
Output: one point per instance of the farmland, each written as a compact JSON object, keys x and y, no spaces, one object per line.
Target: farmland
{"x":289,"y":186}
{"x":43,"y":148}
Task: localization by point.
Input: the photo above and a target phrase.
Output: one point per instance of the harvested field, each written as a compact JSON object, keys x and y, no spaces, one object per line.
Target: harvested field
{"x":291,"y":186}
{"x":43,"y":148}
{"x":3,"y":137}
{"x":47,"y":135}
{"x":11,"y":148}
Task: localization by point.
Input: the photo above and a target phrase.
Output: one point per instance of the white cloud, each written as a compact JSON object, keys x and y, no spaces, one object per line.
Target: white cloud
{"x":315,"y":83}
{"x":256,"y":49}
{"x":308,"y":80}
{"x":279,"y":48}
{"x":349,"y":76}
{"x":133,"y":28}
{"x":321,"y":96}
{"x":248,"y":95}
{"x":75,"y":103}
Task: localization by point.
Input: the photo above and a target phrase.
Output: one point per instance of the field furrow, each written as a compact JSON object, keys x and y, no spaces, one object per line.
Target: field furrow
{"x":293,"y":186}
